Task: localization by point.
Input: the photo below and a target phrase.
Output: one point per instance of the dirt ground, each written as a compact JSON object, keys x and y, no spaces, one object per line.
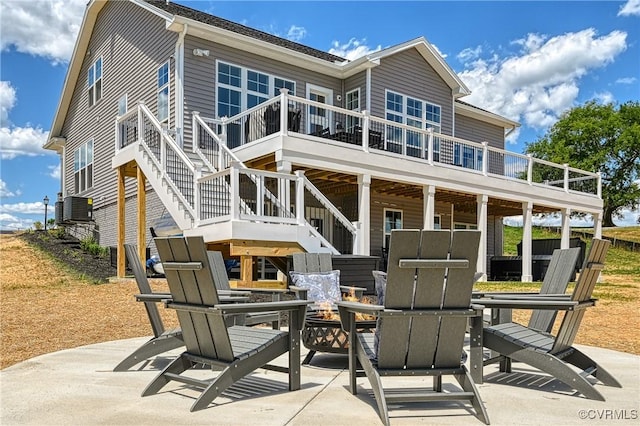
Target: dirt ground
{"x":47,"y":309}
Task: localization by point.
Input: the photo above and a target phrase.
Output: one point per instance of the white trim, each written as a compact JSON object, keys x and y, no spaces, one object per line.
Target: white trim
{"x":159,"y":89}
{"x":384,"y":223}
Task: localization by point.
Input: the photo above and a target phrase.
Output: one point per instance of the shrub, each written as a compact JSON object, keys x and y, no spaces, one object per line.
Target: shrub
{"x":90,"y":245}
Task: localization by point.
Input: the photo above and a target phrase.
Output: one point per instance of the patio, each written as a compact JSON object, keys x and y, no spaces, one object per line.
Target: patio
{"x":78,"y":386}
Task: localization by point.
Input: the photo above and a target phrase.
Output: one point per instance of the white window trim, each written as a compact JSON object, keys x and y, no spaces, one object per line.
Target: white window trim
{"x":244,"y":83}
{"x":123,"y":99}
{"x":384,"y":223}
{"x":167,"y":86}
{"x":438,"y":222}
{"x":465,"y":224}
{"x":92,"y":99}
{"x":351,"y":121}
{"x":405,"y":117}
{"x":79,"y":190}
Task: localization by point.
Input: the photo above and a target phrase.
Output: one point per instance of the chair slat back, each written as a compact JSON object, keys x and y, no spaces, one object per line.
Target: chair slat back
{"x":219,"y":270}
{"x":191,"y":281}
{"x":556,"y":279}
{"x":426,"y":341}
{"x":143,"y":286}
{"x":593,"y":264}
{"x":312,"y":262}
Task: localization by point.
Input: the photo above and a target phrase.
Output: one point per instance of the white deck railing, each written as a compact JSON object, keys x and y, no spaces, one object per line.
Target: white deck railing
{"x":375,"y":134}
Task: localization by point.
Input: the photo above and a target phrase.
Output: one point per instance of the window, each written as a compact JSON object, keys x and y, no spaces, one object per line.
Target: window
{"x":94,"y":80}
{"x":460,"y":225}
{"x":467,"y":156}
{"x":241,"y":88}
{"x":122,"y":105}
{"x":437,"y":221}
{"x":392,"y":220}
{"x":352,"y":103}
{"x":163,"y":92}
{"x":83,"y":167}
{"x":415,"y":113}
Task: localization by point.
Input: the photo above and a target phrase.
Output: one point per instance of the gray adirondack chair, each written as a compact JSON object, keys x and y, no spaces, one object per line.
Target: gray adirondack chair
{"x":561,"y":268}
{"x":422,"y":322}
{"x":222,"y":284}
{"x":163,"y":340}
{"x":549,"y":353}
{"x":316,"y":262}
{"x":238,"y":350}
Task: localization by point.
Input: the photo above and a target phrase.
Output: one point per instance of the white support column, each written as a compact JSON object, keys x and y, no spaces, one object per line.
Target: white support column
{"x":565,"y":236}
{"x":364,"y":215}
{"x":429,"y":209}
{"x":284,"y":188}
{"x":527,"y":222}
{"x":483,"y":201}
{"x":597,"y":225}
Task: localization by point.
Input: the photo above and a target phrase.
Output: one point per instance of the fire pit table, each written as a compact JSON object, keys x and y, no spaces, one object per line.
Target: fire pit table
{"x":326,"y":335}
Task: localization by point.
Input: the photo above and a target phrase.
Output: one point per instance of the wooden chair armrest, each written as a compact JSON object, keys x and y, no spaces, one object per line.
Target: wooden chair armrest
{"x":262,"y":290}
{"x":300,"y":292}
{"x":548,"y":304}
{"x":348,"y":311}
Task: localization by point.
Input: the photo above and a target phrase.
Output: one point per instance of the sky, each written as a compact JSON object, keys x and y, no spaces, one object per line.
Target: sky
{"x":527,"y":61}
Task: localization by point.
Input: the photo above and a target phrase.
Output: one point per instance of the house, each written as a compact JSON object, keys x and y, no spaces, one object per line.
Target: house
{"x":267,"y":147}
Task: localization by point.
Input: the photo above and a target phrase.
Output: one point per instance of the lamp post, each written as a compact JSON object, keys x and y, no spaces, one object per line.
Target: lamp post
{"x":46,"y":206}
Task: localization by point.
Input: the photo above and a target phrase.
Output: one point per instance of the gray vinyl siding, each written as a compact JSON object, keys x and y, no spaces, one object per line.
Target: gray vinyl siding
{"x":200,"y":76}
{"x":479,"y":131}
{"x":133,"y":43}
{"x":408,"y":73}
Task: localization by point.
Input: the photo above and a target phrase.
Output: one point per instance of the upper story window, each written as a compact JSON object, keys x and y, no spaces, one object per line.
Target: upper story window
{"x":240,"y":88}
{"x":94,"y":80}
{"x":122,"y":105}
{"x":415,"y":113}
{"x":352,"y":103}
{"x":163,"y":92}
{"x":83,"y":167}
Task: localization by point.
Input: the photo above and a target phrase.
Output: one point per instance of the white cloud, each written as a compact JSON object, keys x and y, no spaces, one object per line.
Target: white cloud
{"x":541,"y":81}
{"x":444,"y":55}
{"x":18,"y":141}
{"x":41,"y":28}
{"x":4,"y":190}
{"x":353,"y":49}
{"x":630,"y":8}
{"x":23,"y":208}
{"x":15,"y":141}
{"x":626,"y":80}
{"x":54,"y":171}
{"x":296,"y":33}
{"x":469,"y":54}
{"x":12,"y":223}
{"x":7,"y":101}
{"x":604,"y":97}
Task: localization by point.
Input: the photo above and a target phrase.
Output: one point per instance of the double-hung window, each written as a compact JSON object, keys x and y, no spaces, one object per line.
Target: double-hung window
{"x":94,"y":80}
{"x":352,"y":103}
{"x":412,"y":112}
{"x":83,"y":167}
{"x":163,"y":92}
{"x":392,"y":220}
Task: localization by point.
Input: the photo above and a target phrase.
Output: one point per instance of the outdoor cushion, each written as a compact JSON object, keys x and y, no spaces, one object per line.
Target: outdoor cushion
{"x":322,"y":286}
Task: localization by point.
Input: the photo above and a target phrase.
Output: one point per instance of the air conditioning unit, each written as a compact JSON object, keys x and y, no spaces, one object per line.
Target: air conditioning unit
{"x":77,"y":209}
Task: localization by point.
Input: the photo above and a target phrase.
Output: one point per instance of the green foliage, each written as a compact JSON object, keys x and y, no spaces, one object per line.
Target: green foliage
{"x":601,"y":138}
{"x":58,"y":232}
{"x":90,"y":245}
{"x":512,"y":235}
{"x":38,"y":225}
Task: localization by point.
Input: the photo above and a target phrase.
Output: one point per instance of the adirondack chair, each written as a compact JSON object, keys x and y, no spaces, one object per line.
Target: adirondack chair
{"x":561,"y":269}
{"x":549,"y":353}
{"x":163,"y":340}
{"x":317,"y":262}
{"x":422,"y":321}
{"x":311,"y":263}
{"x":237,"y":350}
{"x":222,"y":284}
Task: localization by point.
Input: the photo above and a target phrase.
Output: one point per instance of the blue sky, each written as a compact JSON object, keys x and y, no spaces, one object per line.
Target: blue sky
{"x":528,"y":61}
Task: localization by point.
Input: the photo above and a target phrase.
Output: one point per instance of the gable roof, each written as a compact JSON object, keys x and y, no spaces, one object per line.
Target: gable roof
{"x":214,"y":21}
{"x":202,"y":24}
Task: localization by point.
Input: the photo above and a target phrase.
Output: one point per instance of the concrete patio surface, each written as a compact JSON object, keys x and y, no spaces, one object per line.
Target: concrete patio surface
{"x":77,"y":386}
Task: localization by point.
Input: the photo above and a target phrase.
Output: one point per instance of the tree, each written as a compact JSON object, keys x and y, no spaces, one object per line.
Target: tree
{"x":601,"y":138}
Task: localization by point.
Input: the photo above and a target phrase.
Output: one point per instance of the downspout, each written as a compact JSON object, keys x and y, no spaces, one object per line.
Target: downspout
{"x":368,"y":89}
{"x":179,"y":73}
{"x":453,"y":114}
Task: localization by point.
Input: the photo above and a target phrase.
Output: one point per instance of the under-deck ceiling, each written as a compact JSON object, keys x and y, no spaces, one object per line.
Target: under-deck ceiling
{"x":330,"y":182}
